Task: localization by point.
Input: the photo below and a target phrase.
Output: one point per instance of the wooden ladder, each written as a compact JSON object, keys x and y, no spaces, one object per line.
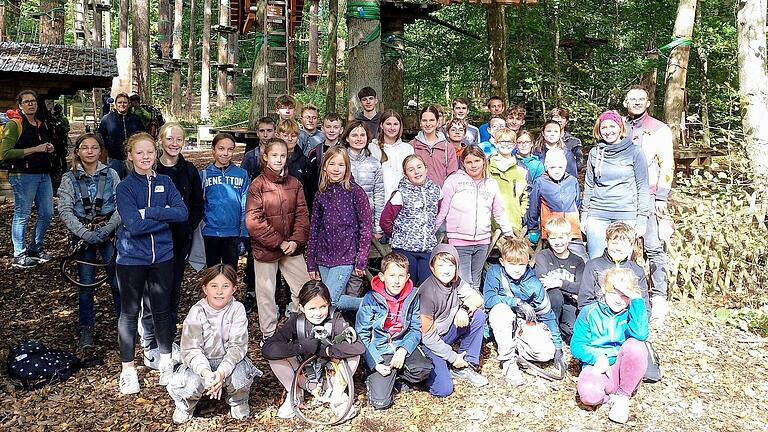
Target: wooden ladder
{"x":278,"y":74}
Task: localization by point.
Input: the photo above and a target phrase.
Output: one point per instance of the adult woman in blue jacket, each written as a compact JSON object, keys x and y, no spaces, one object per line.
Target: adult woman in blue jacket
{"x":147,"y":203}
{"x":615,"y":184}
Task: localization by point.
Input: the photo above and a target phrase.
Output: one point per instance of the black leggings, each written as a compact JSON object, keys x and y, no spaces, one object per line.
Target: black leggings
{"x":158,"y":279}
{"x":221,"y":250}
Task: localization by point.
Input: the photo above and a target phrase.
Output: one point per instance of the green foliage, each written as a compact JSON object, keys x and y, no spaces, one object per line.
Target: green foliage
{"x":232,"y":114}
{"x":746,"y":319}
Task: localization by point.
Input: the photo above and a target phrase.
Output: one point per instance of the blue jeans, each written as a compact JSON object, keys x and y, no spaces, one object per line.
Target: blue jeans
{"x":596,"y":234}
{"x":654,"y":250}
{"x":119,"y":166}
{"x":87,"y":275}
{"x":418,"y":265}
{"x":29,"y":189}
{"x":471,"y":261}
{"x":336,"y":278}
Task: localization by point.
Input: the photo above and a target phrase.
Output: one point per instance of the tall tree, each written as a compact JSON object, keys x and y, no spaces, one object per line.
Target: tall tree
{"x":753,"y":82}
{"x":205,"y":75}
{"x":314,"y":10}
{"x":677,"y":68}
{"x":496,"y":28}
{"x":364,"y":53}
{"x":122,"y":35}
{"x":191,"y":53}
{"x":333,"y":49}
{"x":178,"y":15}
{"x":164,"y":27}
{"x":140,"y":45}
{"x":223,"y":57}
{"x":51,"y":22}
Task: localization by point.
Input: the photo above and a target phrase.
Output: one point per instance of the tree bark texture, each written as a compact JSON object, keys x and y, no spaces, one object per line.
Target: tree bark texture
{"x":140,"y":44}
{"x":233,"y":52}
{"x":753,"y":82}
{"x":9,"y":25}
{"x":314,"y":10}
{"x":205,"y":75}
{"x":496,"y":28}
{"x":259,"y":103}
{"x":677,"y":69}
{"x":191,"y":56}
{"x":393,"y":67}
{"x":164,"y":27}
{"x":51,"y":22}
{"x":364,"y":62}
{"x":223,"y":57}
{"x":98,"y":28}
{"x":122,"y":35}
{"x":178,"y":15}
{"x":333,"y":32}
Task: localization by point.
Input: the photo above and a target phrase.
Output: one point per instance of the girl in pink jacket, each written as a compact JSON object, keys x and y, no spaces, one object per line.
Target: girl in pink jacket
{"x":470,"y":199}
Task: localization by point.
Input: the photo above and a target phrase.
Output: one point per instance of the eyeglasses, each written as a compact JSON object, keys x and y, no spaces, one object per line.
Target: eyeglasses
{"x":634,"y":100}
{"x":29,"y":102}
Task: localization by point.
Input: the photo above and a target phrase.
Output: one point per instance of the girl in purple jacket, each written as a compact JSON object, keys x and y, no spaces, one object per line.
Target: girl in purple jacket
{"x":341,"y":229}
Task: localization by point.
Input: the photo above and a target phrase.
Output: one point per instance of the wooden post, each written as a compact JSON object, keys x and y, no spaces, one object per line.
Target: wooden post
{"x":51,"y":22}
{"x":178,"y":15}
{"x":393,"y":68}
{"x":191,"y":54}
{"x":496,"y":29}
{"x":677,"y":69}
{"x":205,"y":79}
{"x":140,"y":45}
{"x":98,"y":27}
{"x":312,"y":73}
{"x":122,"y":36}
{"x":223,"y":57}
{"x":333,"y":32}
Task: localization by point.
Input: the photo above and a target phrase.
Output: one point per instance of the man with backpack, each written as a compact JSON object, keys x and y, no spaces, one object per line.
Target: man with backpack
{"x":27,"y":147}
{"x":150,"y":116}
{"x":115,"y":128}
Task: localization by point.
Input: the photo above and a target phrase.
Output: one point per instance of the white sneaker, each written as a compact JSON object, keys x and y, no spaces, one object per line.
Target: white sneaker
{"x":129,"y":381}
{"x":240,"y":412}
{"x":176,"y":353}
{"x":619,"y":412}
{"x":152,"y":358}
{"x":659,"y":308}
{"x":339,"y":404}
{"x":512,"y":374}
{"x":181,"y":416}
{"x":286,"y":409}
{"x":166,"y":370}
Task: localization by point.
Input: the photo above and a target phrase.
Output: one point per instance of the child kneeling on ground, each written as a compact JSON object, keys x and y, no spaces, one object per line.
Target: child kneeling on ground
{"x":214,"y":344}
{"x":451,"y":311}
{"x":511,"y":289}
{"x":389,"y":326}
{"x":609,"y":338}
{"x":287,"y":349}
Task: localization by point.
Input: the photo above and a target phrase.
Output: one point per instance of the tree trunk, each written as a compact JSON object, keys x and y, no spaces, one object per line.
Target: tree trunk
{"x":140,"y":44}
{"x":233,"y":52}
{"x":753,"y":82}
{"x":122,"y":36}
{"x":51,"y":22}
{"x":333,"y":32}
{"x":259,"y":103}
{"x":221,"y":71}
{"x":393,"y":68}
{"x":2,"y":22}
{"x":704,"y":87}
{"x":364,"y":61}
{"x":649,"y":79}
{"x":178,"y":15}
{"x":98,"y":28}
{"x":496,"y":29}
{"x":314,"y":9}
{"x":164,"y":27}
{"x":556,"y":51}
{"x":9,"y":27}
{"x":191,"y":54}
{"x":108,"y":29}
{"x":677,"y":69}
{"x":205,"y":75}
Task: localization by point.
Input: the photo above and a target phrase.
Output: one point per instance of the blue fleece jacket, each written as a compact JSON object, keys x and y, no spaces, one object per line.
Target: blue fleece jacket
{"x":225,"y":191}
{"x":598,"y":330}
{"x":499,"y":287}
{"x":550,"y":198}
{"x":616,"y":182}
{"x":372,"y":315}
{"x":534,"y":165}
{"x":144,"y":240}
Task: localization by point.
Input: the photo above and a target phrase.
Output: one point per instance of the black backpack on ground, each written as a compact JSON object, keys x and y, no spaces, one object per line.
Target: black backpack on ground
{"x":33,"y":365}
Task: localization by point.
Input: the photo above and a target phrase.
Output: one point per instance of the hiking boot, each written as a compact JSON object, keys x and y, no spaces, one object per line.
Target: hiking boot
{"x":181,"y":416}
{"x":240,"y":411}
{"x":40,"y":256}
{"x":129,"y":381}
{"x":86,"y":337}
{"x":619,"y":412}
{"x":24,"y":261}
{"x":286,"y":409}
{"x":659,"y":308}
{"x":166,"y":370}
{"x":249,"y":302}
{"x":512,"y":374}
{"x":468,"y":373}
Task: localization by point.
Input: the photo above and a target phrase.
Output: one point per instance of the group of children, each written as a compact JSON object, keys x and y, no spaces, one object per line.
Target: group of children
{"x":308,"y":204}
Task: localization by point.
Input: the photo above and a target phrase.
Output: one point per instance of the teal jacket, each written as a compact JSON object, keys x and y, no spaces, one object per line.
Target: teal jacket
{"x":598,"y":330}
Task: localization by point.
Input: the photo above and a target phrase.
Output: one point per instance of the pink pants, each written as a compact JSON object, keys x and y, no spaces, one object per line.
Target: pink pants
{"x":622,"y":378}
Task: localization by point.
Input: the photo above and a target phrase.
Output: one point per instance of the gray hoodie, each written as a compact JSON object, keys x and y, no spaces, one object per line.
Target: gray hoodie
{"x":71,"y":209}
{"x":616,"y":183}
{"x":439,"y":305}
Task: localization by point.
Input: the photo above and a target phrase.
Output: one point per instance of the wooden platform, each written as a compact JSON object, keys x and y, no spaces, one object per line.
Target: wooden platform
{"x":689,"y":158}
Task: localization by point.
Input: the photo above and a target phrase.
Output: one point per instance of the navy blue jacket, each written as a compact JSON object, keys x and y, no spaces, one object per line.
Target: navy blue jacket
{"x":115,"y":129}
{"x":144,"y":240}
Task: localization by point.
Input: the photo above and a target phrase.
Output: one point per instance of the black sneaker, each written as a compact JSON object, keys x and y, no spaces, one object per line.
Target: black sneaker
{"x":24,"y":261}
{"x":86,"y":337}
{"x":40,"y":256}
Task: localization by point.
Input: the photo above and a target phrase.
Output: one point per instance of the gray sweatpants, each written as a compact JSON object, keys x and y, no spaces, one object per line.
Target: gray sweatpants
{"x":186,"y":387}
